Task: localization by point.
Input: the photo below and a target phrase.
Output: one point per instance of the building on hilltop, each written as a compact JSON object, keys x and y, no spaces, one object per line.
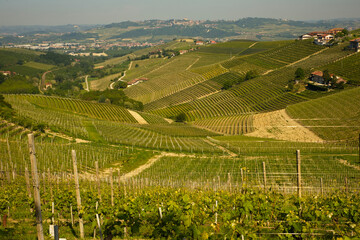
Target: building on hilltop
{"x":323,"y":39}
{"x":305,"y":36}
{"x":355,"y":45}
{"x":334,"y":31}
{"x":136,"y":81}
{"x":318,"y":77}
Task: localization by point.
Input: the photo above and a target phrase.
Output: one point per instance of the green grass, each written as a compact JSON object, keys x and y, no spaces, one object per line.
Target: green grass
{"x":40,"y":66}
{"x":17,"y":84}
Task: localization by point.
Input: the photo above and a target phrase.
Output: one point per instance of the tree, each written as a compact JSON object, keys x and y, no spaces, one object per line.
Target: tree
{"x":326,"y":76}
{"x":59,"y":78}
{"x":345,"y":32}
{"x":2,"y":78}
{"x":180,"y":118}
{"x":251,"y":74}
{"x":227,"y":84}
{"x":299,"y":73}
{"x":120,"y":84}
{"x":102,"y":99}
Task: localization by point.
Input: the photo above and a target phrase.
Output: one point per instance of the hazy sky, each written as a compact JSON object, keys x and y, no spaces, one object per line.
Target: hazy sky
{"x":59,"y":12}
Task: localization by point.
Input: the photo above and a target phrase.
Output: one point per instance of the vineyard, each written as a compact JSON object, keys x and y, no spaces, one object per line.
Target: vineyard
{"x":94,"y":110}
{"x":347,"y":68}
{"x":208,"y":158}
{"x":248,"y":195}
{"x":333,"y":117}
{"x":194,"y":92}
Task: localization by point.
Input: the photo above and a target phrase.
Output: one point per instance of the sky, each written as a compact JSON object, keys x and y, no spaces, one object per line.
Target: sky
{"x":61,"y":12}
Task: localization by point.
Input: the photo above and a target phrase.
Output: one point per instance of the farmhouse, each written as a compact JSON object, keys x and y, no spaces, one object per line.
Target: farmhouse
{"x":355,"y":44}
{"x":199,"y":43}
{"x":7,"y":73}
{"x":136,"y":81}
{"x":183,"y":52}
{"x":318,"y":77}
{"x":48,"y":85}
{"x":323,"y":39}
{"x":334,"y":31}
{"x":305,"y":36}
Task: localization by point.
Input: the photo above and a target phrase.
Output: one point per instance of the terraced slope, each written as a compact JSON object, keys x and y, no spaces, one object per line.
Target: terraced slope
{"x":266,"y":93}
{"x":161,"y":137}
{"x":263,"y":94}
{"x":229,"y":125}
{"x":334,"y":117}
{"x":277,"y":57}
{"x":348,"y":68}
{"x":229,"y":48}
{"x":194,"y":92}
{"x":170,"y":83}
{"x":89,"y":109}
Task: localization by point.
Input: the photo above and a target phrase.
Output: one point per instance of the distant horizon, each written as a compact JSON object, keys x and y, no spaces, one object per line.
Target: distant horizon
{"x":91,"y":24}
{"x":93,"y":12}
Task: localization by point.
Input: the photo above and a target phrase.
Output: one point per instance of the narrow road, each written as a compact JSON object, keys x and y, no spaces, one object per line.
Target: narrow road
{"x":87,"y":83}
{"x":138,"y":117}
{"x":42,"y":82}
{"x":121,"y":78}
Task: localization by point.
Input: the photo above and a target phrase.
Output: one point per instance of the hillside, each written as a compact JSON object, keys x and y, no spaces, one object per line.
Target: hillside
{"x":335,"y":117}
{"x":214,"y":141}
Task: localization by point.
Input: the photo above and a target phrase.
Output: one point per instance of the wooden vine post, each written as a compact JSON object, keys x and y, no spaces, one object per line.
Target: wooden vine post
{"x":78,"y":198}
{"x":36,"y":184}
{"x":98,"y":179}
{"x":112,"y":187}
{"x":264,"y":171}
{"x":298,"y":162}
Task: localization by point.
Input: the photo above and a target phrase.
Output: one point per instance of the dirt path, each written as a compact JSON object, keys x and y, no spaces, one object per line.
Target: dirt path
{"x":63,"y":136}
{"x":193,"y":63}
{"x":154,"y":70}
{"x":211,"y":142}
{"x":106,"y":172}
{"x":346,"y":163}
{"x":42,"y":81}
{"x":293,"y":63}
{"x":87,"y":83}
{"x":138,"y":117}
{"x":279,"y":125}
{"x":252,"y":45}
{"x":121,"y":78}
{"x":149,"y":163}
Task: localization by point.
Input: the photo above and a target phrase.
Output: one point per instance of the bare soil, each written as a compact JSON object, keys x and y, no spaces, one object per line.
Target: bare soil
{"x":278,"y":125}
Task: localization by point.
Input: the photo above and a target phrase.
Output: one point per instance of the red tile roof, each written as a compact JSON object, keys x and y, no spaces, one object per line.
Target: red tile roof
{"x":318,"y":73}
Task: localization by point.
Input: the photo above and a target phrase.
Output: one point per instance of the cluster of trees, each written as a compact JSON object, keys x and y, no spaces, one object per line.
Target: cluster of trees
{"x":113,"y":96}
{"x":55,"y":59}
{"x":249,"y":75}
{"x":120,"y":85}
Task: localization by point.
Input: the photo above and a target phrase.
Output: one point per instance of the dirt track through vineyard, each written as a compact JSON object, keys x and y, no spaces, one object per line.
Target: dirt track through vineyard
{"x":106,"y":172}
